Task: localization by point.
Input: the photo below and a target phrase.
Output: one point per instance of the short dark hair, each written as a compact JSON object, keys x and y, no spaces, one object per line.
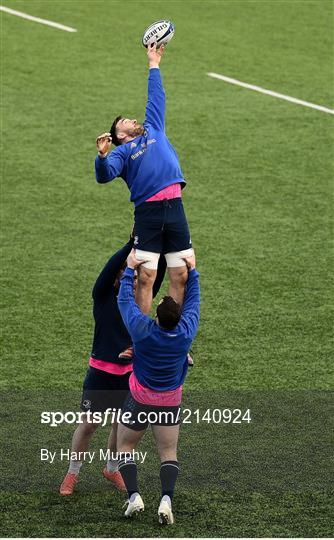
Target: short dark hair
{"x":115,"y":140}
{"x":168,"y":313}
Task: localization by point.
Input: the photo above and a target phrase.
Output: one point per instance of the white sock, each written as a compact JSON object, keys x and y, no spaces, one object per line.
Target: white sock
{"x":112,"y":465}
{"x":75,"y":466}
{"x":133,"y":496}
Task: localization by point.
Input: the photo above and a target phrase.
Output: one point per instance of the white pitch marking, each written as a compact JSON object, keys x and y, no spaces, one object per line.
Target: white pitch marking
{"x":37,"y":19}
{"x":270,"y":93}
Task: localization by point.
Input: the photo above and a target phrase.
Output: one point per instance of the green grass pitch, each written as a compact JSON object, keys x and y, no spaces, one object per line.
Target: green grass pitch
{"x":258,"y":200}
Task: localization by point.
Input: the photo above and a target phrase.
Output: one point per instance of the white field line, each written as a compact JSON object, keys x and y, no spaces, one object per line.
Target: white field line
{"x":37,"y":19}
{"x":271,"y":93}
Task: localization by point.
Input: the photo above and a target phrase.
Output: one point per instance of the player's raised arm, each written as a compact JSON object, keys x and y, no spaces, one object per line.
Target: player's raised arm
{"x":137,"y":324}
{"x":107,"y":166}
{"x":108,"y":275}
{"x":156,"y":102}
{"x":191,"y":305}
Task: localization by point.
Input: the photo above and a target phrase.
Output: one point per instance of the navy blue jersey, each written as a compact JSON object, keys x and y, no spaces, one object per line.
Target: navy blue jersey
{"x":110,"y":334}
{"x":148,"y":163}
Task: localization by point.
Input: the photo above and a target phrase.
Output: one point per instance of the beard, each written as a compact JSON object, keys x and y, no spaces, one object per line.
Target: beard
{"x":138,"y":130}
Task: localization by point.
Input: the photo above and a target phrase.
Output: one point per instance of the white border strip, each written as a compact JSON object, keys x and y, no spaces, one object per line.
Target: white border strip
{"x":37,"y":19}
{"x":270,"y":93}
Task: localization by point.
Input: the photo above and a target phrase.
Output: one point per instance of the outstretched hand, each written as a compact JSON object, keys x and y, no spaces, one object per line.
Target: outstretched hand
{"x":154,"y":55}
{"x":103,"y":143}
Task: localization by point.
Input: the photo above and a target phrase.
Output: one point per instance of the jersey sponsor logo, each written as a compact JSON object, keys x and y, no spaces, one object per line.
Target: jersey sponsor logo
{"x":143,"y":148}
{"x":139,"y":153}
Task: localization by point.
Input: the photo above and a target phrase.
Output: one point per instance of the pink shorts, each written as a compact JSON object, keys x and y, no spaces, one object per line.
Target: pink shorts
{"x":153,"y":397}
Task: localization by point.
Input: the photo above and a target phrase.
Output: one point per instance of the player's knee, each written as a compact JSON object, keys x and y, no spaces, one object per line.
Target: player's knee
{"x":146,"y":277}
{"x":88,"y":428}
{"x":178,"y":276}
{"x":167,"y":452}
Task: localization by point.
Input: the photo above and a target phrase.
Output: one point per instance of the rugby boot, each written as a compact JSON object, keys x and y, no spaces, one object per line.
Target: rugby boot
{"x":165,"y":513}
{"x":134,"y":505}
{"x":68,"y":484}
{"x":190,"y":360}
{"x":127,"y":354}
{"x":115,"y":478}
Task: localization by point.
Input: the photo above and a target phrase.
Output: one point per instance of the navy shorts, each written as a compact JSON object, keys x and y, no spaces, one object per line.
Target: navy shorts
{"x":143,"y":414}
{"x":161,"y":227}
{"x":102,"y":390}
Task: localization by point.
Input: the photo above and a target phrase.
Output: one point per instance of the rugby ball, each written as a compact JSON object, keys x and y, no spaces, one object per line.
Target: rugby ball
{"x":160,"y":32}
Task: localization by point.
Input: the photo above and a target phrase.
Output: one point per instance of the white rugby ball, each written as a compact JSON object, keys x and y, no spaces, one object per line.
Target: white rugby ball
{"x":160,"y":32}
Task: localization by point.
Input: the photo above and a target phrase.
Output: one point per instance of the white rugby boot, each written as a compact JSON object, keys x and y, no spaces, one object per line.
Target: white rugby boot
{"x":135,"y":505}
{"x":165,"y":511}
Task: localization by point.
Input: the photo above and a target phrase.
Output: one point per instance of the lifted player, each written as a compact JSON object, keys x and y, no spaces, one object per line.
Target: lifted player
{"x":149,"y":164}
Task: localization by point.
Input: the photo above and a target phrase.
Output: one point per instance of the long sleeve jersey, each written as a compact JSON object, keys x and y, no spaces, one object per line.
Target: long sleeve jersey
{"x":160,"y":359}
{"x":148,"y":163}
{"x":110,"y":334}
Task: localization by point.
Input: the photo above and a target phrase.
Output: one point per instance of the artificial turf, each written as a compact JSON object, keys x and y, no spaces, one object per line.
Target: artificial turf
{"x":258,"y":200}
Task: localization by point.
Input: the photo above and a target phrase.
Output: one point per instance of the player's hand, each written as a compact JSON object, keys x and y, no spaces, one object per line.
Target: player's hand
{"x":103,"y":143}
{"x":190,"y":262}
{"x":132,"y":262}
{"x":154,"y":55}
